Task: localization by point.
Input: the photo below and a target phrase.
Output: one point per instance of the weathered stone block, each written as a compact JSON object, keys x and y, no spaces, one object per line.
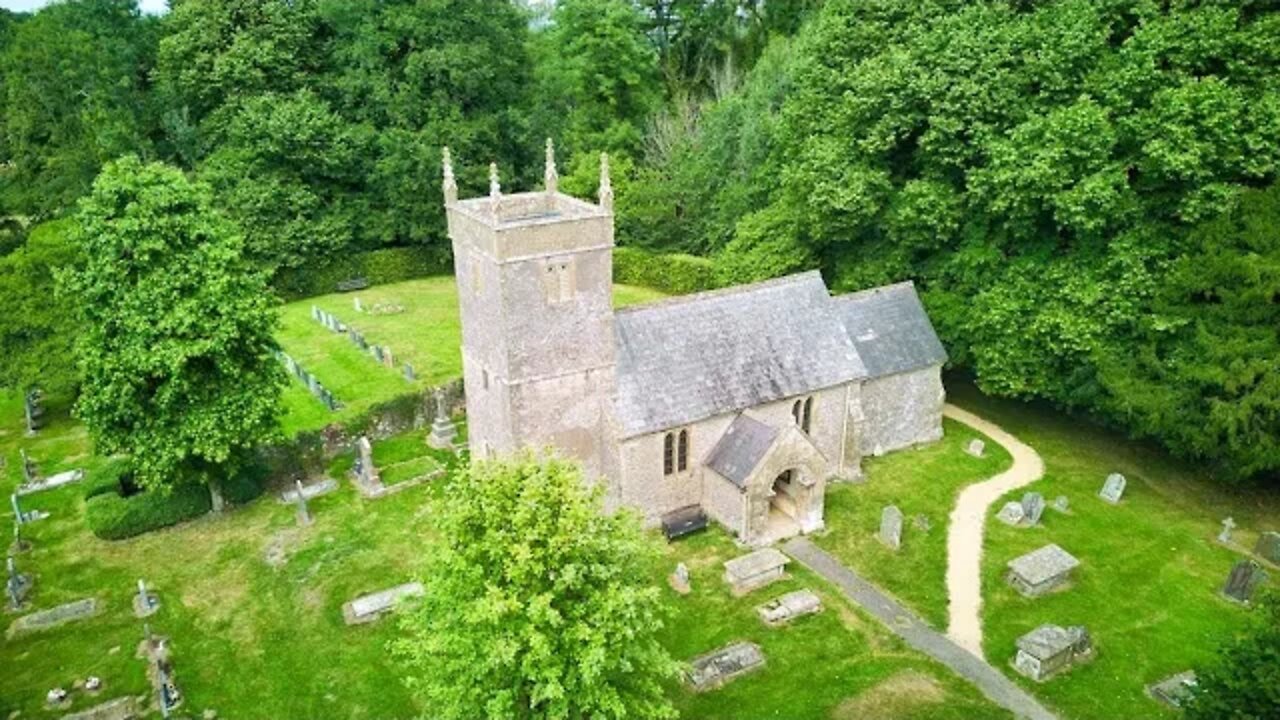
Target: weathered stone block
{"x":785,"y":608}
{"x":754,"y":570}
{"x":710,"y":671}
{"x":1041,"y":571}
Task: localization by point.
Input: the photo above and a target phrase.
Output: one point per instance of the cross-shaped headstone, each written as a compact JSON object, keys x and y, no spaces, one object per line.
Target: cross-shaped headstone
{"x":304,"y":516}
{"x":1227,"y":526}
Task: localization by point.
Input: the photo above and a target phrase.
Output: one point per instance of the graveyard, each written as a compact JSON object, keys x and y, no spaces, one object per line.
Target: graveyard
{"x":258,"y":613}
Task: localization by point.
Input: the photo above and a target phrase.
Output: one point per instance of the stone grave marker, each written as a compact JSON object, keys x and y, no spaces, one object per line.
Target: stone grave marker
{"x":309,"y":492}
{"x":1032,"y":508}
{"x":1268,"y":547}
{"x":785,"y":608}
{"x":921,"y":523}
{"x":1050,"y":649}
{"x":1011,"y":514}
{"x":443,"y":432}
{"x":53,"y":481}
{"x":304,"y":515}
{"x":754,"y":570}
{"x":1228,"y":524}
{"x":368,"y":473}
{"x":356,"y":302}
{"x":20,"y":544}
{"x":30,"y":471}
{"x":976,"y":448}
{"x":315,"y":313}
{"x":54,"y":616}
{"x":388,"y":358}
{"x":679,"y":579}
{"x":377,"y":353}
{"x":408,"y":372}
{"x":33,"y":409}
{"x":368,"y":608}
{"x":145,"y":603}
{"x":710,"y":671}
{"x":1061,"y":504}
{"x":891,"y":527}
{"x":1175,"y":689}
{"x":1041,"y":571}
{"x":57,"y":698}
{"x":17,"y":585}
{"x":18,"y":516}
{"x":1245,"y":577}
{"x":1113,"y":488}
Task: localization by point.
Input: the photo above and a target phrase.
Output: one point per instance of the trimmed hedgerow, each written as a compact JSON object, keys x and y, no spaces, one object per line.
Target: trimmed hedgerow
{"x":114,"y":517}
{"x":386,"y":265}
{"x":106,"y":479}
{"x":675,"y":274}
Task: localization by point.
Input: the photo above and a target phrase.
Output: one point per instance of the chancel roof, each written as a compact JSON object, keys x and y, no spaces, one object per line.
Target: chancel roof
{"x":890,"y":330}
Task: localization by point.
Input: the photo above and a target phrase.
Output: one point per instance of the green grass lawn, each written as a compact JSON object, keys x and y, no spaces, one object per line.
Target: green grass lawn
{"x":922,"y":481}
{"x":426,"y":334}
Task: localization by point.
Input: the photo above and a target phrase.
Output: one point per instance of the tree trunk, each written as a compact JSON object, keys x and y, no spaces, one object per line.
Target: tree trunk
{"x":215,"y":495}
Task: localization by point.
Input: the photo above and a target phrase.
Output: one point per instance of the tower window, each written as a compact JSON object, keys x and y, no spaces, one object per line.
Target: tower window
{"x":484,"y":379}
{"x":560,"y":281}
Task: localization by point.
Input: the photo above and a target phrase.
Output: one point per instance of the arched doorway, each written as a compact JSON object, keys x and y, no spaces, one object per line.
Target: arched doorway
{"x":784,"y":505}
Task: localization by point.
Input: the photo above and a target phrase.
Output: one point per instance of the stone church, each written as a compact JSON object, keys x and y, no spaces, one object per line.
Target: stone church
{"x":741,"y":403}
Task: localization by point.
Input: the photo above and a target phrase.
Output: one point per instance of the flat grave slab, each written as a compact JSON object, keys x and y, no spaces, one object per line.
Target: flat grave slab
{"x":710,"y":671}
{"x":314,"y":490}
{"x":51,"y":482}
{"x":1041,"y":571}
{"x":785,"y":608}
{"x":55,"y":616}
{"x":123,"y":708}
{"x":1173,"y":690}
{"x":368,"y":608}
{"x":754,"y":570}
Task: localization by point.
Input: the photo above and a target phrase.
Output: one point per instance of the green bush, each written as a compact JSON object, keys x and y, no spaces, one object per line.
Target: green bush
{"x":246,"y":485}
{"x":113,"y":517}
{"x":675,"y":274}
{"x":386,"y":265}
{"x":106,"y":480}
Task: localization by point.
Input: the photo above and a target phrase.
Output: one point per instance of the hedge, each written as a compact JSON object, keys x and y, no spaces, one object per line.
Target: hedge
{"x":105,"y":480}
{"x":674,"y":274}
{"x":114,"y":517}
{"x":386,"y":265}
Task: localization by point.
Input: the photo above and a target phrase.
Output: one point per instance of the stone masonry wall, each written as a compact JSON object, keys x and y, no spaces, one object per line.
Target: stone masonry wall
{"x":902,"y":410}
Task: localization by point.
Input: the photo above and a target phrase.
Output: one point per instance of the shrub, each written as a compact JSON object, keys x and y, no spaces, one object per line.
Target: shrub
{"x":106,"y":480}
{"x":248,"y":484}
{"x":113,"y":517}
{"x":386,"y":265}
{"x":676,"y":274}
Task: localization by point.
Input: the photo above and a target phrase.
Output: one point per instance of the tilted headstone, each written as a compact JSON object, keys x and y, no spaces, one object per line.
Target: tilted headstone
{"x":1113,"y":488}
{"x":1032,"y":508}
{"x":377,"y":352}
{"x":891,"y":527}
{"x":1228,"y":524}
{"x":976,"y":448}
{"x":1245,"y":577}
{"x":1011,"y":513}
{"x":679,"y":579}
{"x":1268,"y":547}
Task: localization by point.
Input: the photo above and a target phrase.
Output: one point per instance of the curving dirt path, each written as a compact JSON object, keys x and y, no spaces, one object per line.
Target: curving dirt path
{"x":964,"y":535}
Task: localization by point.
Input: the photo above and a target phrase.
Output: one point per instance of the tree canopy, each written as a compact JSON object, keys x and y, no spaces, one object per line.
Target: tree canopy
{"x":1243,"y":683}
{"x":176,"y":342}
{"x":537,"y":604}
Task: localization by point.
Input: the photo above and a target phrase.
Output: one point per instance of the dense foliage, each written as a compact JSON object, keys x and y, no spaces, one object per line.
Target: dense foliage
{"x":36,"y":333}
{"x":537,"y":604}
{"x":176,"y":344}
{"x":1244,"y":682}
{"x":1068,"y":181}
{"x":111,"y":516}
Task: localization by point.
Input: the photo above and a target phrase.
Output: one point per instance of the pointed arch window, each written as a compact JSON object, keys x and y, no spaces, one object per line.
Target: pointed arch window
{"x":675,"y":452}
{"x":682,"y":451}
{"x":806,"y":420}
{"x":669,"y":454}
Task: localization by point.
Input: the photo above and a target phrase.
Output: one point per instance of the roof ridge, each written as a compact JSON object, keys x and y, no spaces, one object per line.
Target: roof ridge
{"x":874,"y":290}
{"x":724,"y":292}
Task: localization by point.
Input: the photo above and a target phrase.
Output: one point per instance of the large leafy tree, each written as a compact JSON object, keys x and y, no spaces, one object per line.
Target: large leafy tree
{"x":537,"y":603}
{"x":1244,"y":682}
{"x":36,"y":331}
{"x":74,"y":96}
{"x":176,"y":329}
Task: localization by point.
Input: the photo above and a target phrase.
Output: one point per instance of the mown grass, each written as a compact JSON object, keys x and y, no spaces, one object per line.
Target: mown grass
{"x":426,"y":335}
{"x":924,"y":483}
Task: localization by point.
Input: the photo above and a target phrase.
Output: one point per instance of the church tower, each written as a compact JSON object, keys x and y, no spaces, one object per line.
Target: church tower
{"x":534,"y":273}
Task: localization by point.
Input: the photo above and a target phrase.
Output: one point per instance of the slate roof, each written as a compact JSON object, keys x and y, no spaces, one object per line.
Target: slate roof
{"x":694,"y":357}
{"x":741,"y":448}
{"x":890,"y":329}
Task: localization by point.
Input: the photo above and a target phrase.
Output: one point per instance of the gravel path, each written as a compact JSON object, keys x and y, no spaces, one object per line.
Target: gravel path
{"x":907,"y":625}
{"x":964,"y":535}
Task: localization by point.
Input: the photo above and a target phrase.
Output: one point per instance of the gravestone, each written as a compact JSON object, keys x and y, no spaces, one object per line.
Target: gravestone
{"x":30,"y":471}
{"x":891,"y":527}
{"x":785,"y":608}
{"x":368,"y":608}
{"x":1041,"y":571}
{"x":1032,"y":508}
{"x":408,"y":372}
{"x":57,"y":698}
{"x":1268,"y":547}
{"x":54,"y":616}
{"x":1245,"y":577}
{"x":710,"y":671}
{"x":18,"y":516}
{"x":1050,"y":649}
{"x":309,"y":492}
{"x":388,"y":358}
{"x":1113,"y":488}
{"x":304,"y":515}
{"x":679,"y":579}
{"x":377,"y":353}
{"x":366,"y":472}
{"x":20,"y":544}
{"x":1175,"y":689}
{"x":17,"y":585}
{"x":1061,"y":503}
{"x":754,"y":570}
{"x":443,"y":431}
{"x":51,"y":482}
{"x":356,"y":302}
{"x":33,"y":409}
{"x":1011,"y":514}
{"x":315,"y":313}
{"x":921,"y":523}
{"x":976,"y":448}
{"x":145,"y":603}
{"x":1228,"y":524}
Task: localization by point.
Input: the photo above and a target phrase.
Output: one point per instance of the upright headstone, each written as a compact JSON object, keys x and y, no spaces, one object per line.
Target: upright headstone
{"x":1113,"y":488}
{"x":145,"y":603}
{"x":30,"y":471}
{"x":1245,"y":577}
{"x":18,"y":516}
{"x":368,"y":473}
{"x":1228,"y":524}
{"x":377,"y":353}
{"x":976,"y":448}
{"x":1268,"y":547}
{"x":408,"y":372}
{"x":388,"y":359}
{"x":1032,"y":507}
{"x":679,"y":579}
{"x":304,"y":515}
{"x":33,"y":408}
{"x":356,"y":301}
{"x":315,"y":313}
{"x":443,"y":432}
{"x":16,"y":585}
{"x":1011,"y":514}
{"x":891,"y":527}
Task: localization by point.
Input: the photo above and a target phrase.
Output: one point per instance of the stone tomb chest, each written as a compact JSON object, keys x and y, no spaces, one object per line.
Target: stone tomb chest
{"x":1049,"y":649}
{"x":1041,"y":571}
{"x":368,"y":608}
{"x":754,"y":570}
{"x":710,"y":671}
